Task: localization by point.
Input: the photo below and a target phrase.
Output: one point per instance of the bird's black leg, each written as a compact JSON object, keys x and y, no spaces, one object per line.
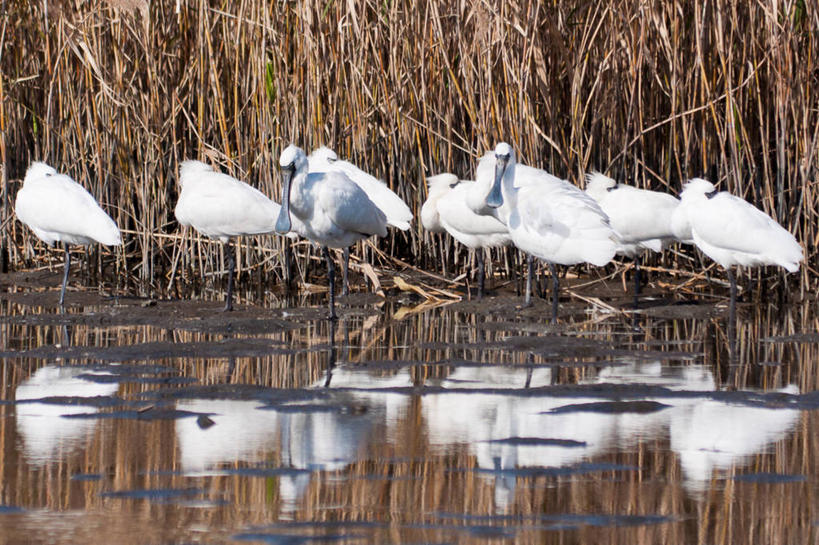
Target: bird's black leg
{"x":732,"y":313}
{"x":555,"y":290}
{"x":231,"y":255}
{"x":345,"y":287}
{"x":331,"y":274}
{"x":515,"y":276}
{"x":481,"y":272}
{"x":288,"y":263}
{"x":331,"y":363}
{"x":65,"y":273}
{"x":530,"y":265}
{"x":636,"y":280}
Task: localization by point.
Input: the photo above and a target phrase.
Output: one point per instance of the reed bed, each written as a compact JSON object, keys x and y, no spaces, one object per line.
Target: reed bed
{"x":117,"y":93}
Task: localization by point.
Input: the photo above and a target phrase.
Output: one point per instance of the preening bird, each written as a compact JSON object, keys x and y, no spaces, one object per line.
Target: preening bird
{"x":641,"y":218}
{"x":445,"y":210}
{"x":58,"y":209}
{"x":331,"y":209}
{"x":732,"y":231}
{"x":547,"y":217}
{"x":222,"y":207}
{"x":397,"y":212}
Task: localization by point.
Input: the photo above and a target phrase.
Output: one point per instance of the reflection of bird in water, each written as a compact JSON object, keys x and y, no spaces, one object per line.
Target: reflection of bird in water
{"x":222,"y":207}
{"x":240,"y":433}
{"x":641,"y":218}
{"x":333,"y":211}
{"x":396,"y":211}
{"x":325,"y":435}
{"x":710,"y":435}
{"x":446,"y":210}
{"x":314,"y":439}
{"x":47,"y":436}
{"x":547,"y":217}
{"x":706,"y":434}
{"x":58,"y":209}
{"x":509,"y":431}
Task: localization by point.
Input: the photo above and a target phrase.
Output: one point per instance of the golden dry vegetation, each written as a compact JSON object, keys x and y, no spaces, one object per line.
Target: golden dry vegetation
{"x":118,"y":92}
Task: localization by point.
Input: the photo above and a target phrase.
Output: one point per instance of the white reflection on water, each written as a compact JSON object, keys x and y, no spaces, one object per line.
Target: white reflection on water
{"x":46,"y":435}
{"x":241,"y":433}
{"x":707,"y":435}
{"x":313,"y":439}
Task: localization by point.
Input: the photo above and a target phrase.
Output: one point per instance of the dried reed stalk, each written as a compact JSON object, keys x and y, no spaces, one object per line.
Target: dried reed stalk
{"x":118,"y":93}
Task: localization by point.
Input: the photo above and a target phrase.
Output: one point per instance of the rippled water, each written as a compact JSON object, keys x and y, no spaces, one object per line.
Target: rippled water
{"x":165,"y":422}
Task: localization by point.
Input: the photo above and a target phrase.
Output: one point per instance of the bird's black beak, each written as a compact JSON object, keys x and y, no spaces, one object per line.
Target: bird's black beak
{"x":495,"y":198}
{"x":283,"y":221}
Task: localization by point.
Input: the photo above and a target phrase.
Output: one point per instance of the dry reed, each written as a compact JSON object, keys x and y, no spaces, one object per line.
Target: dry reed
{"x":117,"y":93}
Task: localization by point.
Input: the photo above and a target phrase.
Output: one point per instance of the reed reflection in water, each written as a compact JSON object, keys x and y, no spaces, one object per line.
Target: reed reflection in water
{"x":446,"y":425}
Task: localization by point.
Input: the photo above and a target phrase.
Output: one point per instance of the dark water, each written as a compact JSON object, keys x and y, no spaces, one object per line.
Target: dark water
{"x":411,"y":421}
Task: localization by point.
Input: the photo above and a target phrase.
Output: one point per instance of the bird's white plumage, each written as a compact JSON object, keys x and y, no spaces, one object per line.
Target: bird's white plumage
{"x":396,"y":210}
{"x":641,"y":218}
{"x":220,"y":206}
{"x":328,"y":207}
{"x":446,"y":210}
{"x":732,"y":231}
{"x":437,"y":187}
{"x":58,"y":209}
{"x":546,"y":216}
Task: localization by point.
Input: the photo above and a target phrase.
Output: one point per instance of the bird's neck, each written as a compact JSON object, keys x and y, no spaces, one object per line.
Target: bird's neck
{"x":299,"y":189}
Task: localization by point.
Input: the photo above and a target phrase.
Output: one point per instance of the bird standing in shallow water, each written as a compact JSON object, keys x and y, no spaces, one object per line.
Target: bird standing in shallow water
{"x":641,"y":218}
{"x":732,"y":231}
{"x":547,"y":217}
{"x":58,"y":209}
{"x":446,"y":210}
{"x":327,"y":208}
{"x":222,"y":207}
{"x":397,"y":212}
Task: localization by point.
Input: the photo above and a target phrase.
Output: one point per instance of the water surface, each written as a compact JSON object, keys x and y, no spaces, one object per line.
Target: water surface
{"x":410,"y":421}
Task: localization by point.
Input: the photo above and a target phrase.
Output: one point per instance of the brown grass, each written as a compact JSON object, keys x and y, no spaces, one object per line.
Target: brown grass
{"x":654,"y":93}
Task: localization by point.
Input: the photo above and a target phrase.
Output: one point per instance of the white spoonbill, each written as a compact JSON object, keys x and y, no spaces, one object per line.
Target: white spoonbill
{"x":641,"y":218}
{"x":445,"y":210}
{"x":58,"y":209}
{"x":547,"y":217}
{"x":398,"y":214}
{"x":332,"y":210}
{"x":222,"y":207}
{"x":732,"y":231}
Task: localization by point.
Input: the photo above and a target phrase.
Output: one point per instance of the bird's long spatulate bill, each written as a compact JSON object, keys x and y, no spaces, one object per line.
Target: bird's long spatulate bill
{"x":495,"y":198}
{"x":283,"y":221}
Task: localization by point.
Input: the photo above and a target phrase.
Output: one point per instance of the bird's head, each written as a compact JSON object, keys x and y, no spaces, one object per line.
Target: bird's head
{"x":39,"y":170}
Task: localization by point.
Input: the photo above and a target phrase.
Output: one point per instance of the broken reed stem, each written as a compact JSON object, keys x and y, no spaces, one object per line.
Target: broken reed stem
{"x":118,"y":93}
